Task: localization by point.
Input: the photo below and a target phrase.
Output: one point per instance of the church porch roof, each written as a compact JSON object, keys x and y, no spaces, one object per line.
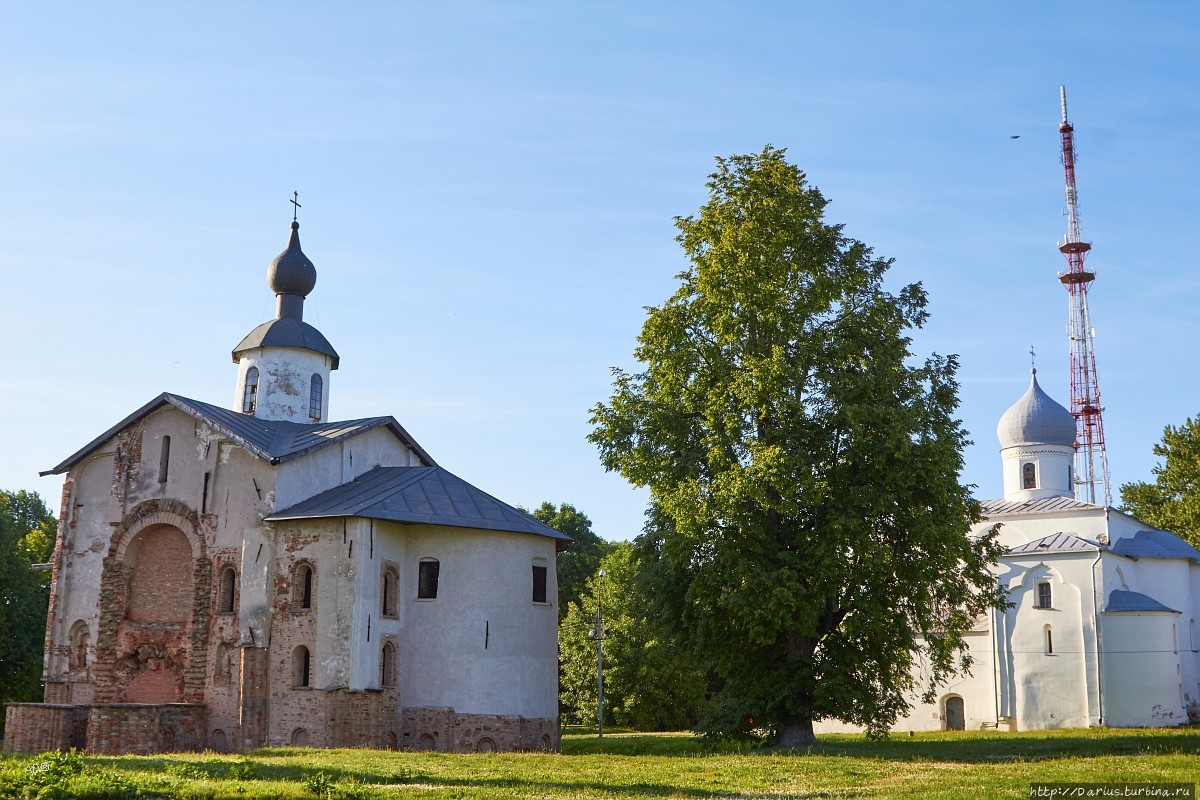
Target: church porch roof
{"x":421,"y":495}
{"x":1122,"y":600}
{"x":1155,"y":544}
{"x":1055,"y":543}
{"x":274,"y":441}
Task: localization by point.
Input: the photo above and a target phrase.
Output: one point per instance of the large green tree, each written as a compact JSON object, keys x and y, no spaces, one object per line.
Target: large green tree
{"x":581,"y":559}
{"x":27,"y":531}
{"x":1172,"y":501}
{"x":651,"y":682}
{"x":805,"y":470}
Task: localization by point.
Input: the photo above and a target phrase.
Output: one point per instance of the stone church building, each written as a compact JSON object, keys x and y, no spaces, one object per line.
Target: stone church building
{"x":261,"y":576}
{"x":1102,"y":626}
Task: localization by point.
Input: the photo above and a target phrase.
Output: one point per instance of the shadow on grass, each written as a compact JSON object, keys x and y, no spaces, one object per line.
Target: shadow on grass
{"x":617,"y":784}
{"x":961,"y":747}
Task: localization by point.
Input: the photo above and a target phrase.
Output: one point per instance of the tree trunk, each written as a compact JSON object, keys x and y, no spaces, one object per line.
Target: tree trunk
{"x":796,"y":733}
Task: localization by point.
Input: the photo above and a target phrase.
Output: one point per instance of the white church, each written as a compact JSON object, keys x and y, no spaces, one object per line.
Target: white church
{"x":1102,"y":624}
{"x":232,"y":578}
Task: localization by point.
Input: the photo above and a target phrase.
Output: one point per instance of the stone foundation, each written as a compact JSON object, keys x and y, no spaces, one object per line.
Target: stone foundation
{"x":113,"y":729}
{"x":445,"y":730}
{"x":33,"y":728}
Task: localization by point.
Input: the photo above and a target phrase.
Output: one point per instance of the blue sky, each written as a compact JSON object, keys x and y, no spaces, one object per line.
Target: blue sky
{"x":488,"y":192}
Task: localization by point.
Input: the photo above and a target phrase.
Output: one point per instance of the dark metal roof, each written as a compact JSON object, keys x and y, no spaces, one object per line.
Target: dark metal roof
{"x":1120,"y":600}
{"x":429,"y":495}
{"x":271,"y":440}
{"x":1000,"y":508}
{"x":287,"y":332}
{"x":1155,"y":544}
{"x":1055,"y":543}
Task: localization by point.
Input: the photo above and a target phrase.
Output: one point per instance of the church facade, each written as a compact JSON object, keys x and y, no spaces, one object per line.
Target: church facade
{"x":1102,"y":624}
{"x":233,"y":578}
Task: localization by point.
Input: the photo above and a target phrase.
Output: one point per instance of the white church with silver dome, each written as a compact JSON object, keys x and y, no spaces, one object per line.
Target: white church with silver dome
{"x":1102,"y":624}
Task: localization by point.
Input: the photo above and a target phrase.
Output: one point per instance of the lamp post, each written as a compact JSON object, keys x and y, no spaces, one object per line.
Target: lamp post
{"x":600,"y":655}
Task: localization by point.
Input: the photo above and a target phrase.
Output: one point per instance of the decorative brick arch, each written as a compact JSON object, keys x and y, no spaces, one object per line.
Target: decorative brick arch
{"x":128,"y":649}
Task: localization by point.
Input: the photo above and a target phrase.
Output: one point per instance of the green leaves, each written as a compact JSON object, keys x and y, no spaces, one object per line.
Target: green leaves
{"x":1172,"y":502}
{"x":807,"y":513}
{"x":27,"y":532}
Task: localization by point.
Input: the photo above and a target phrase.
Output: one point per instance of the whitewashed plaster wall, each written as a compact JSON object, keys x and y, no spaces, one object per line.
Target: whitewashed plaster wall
{"x":339,"y":463}
{"x":284,"y":380}
{"x":1141,"y":677}
{"x":483,"y":646}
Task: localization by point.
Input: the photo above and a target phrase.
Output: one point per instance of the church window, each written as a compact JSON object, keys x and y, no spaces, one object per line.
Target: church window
{"x":314,"y":398}
{"x":164,"y":459}
{"x":303,"y":580}
{"x":300,"y":667}
{"x":387,"y":666}
{"x":427,"y":579}
{"x":1044,"y":597}
{"x":1028,"y":476}
{"x":226,"y":591}
{"x":539,"y":583}
{"x":391,"y":582}
{"x":250,"y":396}
{"x":1049,"y":641}
{"x":80,"y":638}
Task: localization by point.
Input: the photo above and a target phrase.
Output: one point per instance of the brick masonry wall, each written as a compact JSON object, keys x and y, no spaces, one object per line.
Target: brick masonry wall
{"x":32,"y":728}
{"x":124,"y":729}
{"x":445,"y":730}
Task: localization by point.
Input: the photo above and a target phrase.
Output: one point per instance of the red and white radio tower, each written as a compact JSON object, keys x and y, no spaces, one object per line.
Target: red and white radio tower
{"x":1091,"y":460}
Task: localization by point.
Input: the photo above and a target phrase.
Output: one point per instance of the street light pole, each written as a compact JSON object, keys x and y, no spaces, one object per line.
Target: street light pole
{"x":600,"y":655}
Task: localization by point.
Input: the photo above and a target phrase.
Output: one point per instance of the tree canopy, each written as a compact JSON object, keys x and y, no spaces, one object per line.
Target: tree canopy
{"x":27,"y":531}
{"x":651,"y":683}
{"x":804,"y":473}
{"x":1172,"y":501}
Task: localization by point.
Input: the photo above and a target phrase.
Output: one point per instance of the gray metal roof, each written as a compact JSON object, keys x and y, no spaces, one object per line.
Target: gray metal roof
{"x":1000,"y":508}
{"x":271,"y":440}
{"x":1055,"y":543}
{"x":1036,"y":419}
{"x":1120,"y":600}
{"x":428,"y":495}
{"x":1155,"y":544}
{"x":287,"y":332}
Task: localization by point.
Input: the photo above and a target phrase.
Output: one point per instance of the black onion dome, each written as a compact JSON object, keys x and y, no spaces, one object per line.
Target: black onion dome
{"x":291,"y":272}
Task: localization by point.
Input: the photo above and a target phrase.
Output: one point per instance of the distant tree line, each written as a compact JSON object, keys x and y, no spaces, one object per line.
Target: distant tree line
{"x":27,"y":531}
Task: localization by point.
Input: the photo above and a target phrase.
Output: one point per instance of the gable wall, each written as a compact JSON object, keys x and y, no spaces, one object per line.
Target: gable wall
{"x":340,"y":463}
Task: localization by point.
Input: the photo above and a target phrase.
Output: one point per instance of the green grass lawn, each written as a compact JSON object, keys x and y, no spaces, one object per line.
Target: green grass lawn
{"x":628,"y":765}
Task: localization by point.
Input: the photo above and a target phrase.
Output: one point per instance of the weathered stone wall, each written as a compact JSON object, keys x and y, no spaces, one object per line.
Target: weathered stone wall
{"x":127,"y":729}
{"x":32,"y":728}
{"x":445,"y":730}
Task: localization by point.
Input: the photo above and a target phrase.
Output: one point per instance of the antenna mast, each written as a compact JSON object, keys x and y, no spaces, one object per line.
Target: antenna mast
{"x":1091,"y":460}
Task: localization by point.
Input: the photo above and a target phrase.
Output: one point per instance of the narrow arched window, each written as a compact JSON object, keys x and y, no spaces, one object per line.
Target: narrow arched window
{"x":80,"y":639}
{"x":226,"y":591}
{"x":1049,"y":641}
{"x":539,"y":583}
{"x":314,"y":398}
{"x":391,"y":583}
{"x":300,"y":667}
{"x":1028,"y":476}
{"x":164,"y":459}
{"x":250,"y":395}
{"x":303,"y":581}
{"x":427,"y":579}
{"x":387,"y":666}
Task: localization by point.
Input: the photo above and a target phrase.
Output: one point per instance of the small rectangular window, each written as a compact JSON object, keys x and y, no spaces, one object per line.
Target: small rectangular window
{"x":427,"y":580}
{"x":539,"y":584}
{"x":1044,"y":599}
